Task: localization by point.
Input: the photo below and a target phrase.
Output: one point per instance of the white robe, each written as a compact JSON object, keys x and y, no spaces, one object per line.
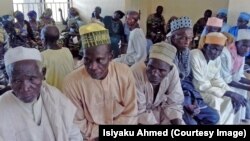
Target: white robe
{"x":50,"y":118}
{"x":212,"y":87}
{"x":228,"y":77}
{"x":137,"y":48}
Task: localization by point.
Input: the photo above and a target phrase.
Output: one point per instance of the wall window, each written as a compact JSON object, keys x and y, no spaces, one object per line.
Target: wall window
{"x":39,"y":5}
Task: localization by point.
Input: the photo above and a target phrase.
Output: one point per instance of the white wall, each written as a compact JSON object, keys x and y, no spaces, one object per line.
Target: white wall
{"x":235,"y":7}
{"x":6,"y":7}
{"x":86,"y":7}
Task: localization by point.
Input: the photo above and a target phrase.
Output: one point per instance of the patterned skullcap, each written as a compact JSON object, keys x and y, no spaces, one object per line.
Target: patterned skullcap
{"x":182,"y":22}
{"x":94,"y":34}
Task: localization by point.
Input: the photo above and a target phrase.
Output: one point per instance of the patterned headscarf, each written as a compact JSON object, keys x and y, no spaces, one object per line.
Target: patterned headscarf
{"x":6,"y":18}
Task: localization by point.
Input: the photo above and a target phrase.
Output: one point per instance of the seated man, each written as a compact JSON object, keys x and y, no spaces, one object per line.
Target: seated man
{"x":103,"y":91}
{"x":233,"y":58}
{"x":159,"y":92}
{"x":34,"y":110}
{"x":206,"y":66}
{"x":196,"y":111}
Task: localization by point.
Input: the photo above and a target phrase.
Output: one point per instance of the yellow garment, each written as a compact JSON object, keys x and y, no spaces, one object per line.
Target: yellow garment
{"x":230,"y":40}
{"x":58,"y":64}
{"x":168,"y":103}
{"x":99,"y":102}
{"x":48,"y":119}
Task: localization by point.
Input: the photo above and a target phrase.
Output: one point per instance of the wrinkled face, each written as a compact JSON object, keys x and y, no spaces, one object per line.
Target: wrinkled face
{"x":20,"y":17}
{"x":96,"y":61}
{"x":241,"y":23}
{"x":26,"y":80}
{"x":213,"y":29}
{"x":157,"y":70}
{"x":222,"y":16}
{"x":213,"y":51}
{"x":243,"y":47}
{"x":182,"y":38}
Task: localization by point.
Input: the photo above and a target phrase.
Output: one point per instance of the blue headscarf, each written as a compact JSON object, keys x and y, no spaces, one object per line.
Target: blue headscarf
{"x":244,"y":16}
{"x":17,"y":13}
{"x":32,"y":13}
{"x":223,"y":11}
{"x":6,"y":18}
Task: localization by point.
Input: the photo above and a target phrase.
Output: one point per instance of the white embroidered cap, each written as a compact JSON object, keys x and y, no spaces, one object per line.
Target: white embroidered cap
{"x":243,"y":34}
{"x":21,"y":53}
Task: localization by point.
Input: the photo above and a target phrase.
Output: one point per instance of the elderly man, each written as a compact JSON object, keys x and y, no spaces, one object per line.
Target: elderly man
{"x":242,"y":23}
{"x":196,"y":110}
{"x":214,"y":25}
{"x":206,"y":66}
{"x":39,"y":112}
{"x":103,"y":91}
{"x":57,"y":60}
{"x":137,"y":44}
{"x":159,"y":90}
{"x":233,"y":58}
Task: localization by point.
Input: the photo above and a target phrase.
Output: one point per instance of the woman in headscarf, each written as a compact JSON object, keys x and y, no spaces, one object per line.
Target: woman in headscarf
{"x":72,"y":18}
{"x":46,"y":19}
{"x":34,"y":26}
{"x":23,"y":29}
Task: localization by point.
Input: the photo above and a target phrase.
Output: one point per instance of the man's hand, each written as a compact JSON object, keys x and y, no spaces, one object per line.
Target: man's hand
{"x":237,"y":100}
{"x":60,"y":10}
{"x":176,"y":121}
{"x":192,"y":109}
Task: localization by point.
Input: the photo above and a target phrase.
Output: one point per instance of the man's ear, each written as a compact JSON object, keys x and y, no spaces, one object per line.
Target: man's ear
{"x":44,"y":72}
{"x":111,"y":55}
